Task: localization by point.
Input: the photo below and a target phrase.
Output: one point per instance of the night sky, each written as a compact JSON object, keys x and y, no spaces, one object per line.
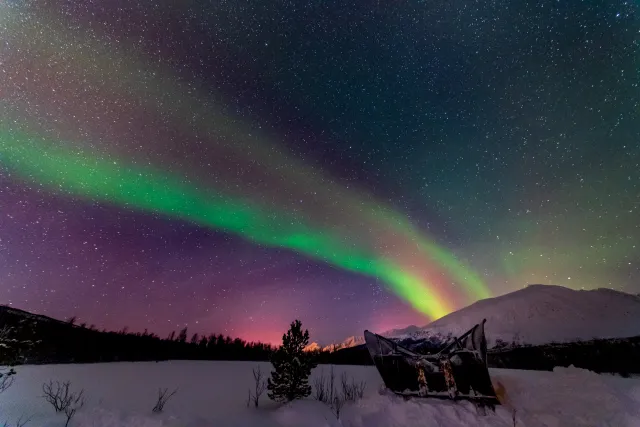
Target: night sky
{"x":233,"y":165}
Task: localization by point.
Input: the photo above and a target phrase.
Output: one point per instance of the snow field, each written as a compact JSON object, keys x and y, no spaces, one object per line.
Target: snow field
{"x":215,"y":394}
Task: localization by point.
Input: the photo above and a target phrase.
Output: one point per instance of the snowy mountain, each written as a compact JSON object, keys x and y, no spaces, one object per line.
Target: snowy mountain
{"x":314,"y":346}
{"x":540,"y":314}
{"x":348,"y":343}
{"x":404,"y":331}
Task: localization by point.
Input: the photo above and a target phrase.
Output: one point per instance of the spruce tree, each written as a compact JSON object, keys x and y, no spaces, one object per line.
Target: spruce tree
{"x":292,"y":366}
{"x":182,"y":336}
{"x":194,"y":339}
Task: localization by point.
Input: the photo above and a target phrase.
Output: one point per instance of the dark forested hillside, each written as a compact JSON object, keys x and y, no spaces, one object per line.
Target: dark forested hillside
{"x":39,"y":339}
{"x":616,"y":355}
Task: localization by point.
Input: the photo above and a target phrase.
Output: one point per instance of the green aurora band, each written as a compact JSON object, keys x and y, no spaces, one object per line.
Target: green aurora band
{"x":82,"y":57}
{"x":149,"y":190}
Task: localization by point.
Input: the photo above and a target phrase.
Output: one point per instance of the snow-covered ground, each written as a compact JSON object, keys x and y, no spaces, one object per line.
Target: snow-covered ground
{"x":215,"y":393}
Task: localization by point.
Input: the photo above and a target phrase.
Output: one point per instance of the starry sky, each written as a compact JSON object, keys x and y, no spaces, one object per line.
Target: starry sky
{"x":233,"y":165}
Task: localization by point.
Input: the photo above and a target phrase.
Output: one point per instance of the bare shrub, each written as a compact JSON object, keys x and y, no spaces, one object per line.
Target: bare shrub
{"x":337,"y":404}
{"x":163,"y":398}
{"x":326,"y":390}
{"x":60,"y":396}
{"x":319,"y":388}
{"x":6,"y":379}
{"x":71,"y":410}
{"x":324,"y":387}
{"x":331,"y":387}
{"x":22,"y":421}
{"x":260,"y":386}
{"x":352,"y":390}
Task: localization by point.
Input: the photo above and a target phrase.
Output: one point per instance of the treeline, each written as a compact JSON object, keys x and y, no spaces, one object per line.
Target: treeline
{"x":616,"y":355}
{"x":357,"y":355}
{"x":40,"y":340}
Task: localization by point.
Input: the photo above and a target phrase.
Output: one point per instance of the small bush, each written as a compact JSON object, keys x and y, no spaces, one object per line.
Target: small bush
{"x":352,"y":390}
{"x":20,"y":423}
{"x":163,"y":398}
{"x":260,"y":385}
{"x":326,"y":390}
{"x":71,"y":410}
{"x":337,"y":404}
{"x":320,"y":388}
{"x":6,"y":379}
{"x":60,"y":396}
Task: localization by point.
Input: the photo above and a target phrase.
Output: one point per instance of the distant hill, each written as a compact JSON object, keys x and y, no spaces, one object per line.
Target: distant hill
{"x":6,"y":310}
{"x":540,"y":314}
{"x":27,"y":338}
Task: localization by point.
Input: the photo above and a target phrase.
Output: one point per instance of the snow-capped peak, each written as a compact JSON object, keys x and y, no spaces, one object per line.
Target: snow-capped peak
{"x":349,"y":342}
{"x":314,"y":346}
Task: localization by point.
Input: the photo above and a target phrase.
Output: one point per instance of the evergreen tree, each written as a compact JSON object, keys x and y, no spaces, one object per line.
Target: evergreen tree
{"x":182,"y":336}
{"x":194,"y":339}
{"x":203,"y":342}
{"x":292,"y":366}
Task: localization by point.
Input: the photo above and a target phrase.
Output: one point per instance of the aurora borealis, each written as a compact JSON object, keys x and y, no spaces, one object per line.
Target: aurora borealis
{"x":234,"y":166}
{"x":141,"y":189}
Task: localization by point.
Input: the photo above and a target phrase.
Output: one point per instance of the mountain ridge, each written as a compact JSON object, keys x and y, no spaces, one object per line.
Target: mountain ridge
{"x":541,"y":314}
{"x":535,"y":314}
